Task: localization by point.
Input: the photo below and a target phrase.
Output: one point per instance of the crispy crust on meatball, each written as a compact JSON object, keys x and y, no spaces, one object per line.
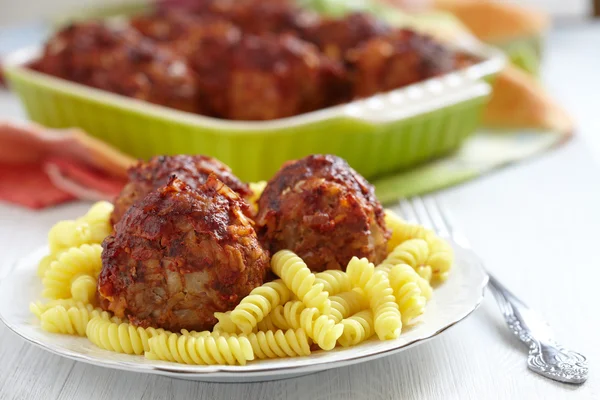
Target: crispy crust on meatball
{"x":119,"y":60}
{"x":193,"y":170}
{"x":398,"y":59}
{"x":179,"y":256}
{"x":324,"y":211}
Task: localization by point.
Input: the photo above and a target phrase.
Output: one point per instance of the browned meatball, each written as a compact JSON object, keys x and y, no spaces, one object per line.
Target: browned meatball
{"x":324,"y":211}
{"x":267,"y":77}
{"x":193,"y":170}
{"x":336,"y":36}
{"x":185,"y":33}
{"x":120,"y":60}
{"x":179,"y":256}
{"x":400,"y":58}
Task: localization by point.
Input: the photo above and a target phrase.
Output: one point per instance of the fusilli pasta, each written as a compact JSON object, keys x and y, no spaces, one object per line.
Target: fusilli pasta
{"x":120,"y":337}
{"x":254,"y":307}
{"x":404,"y":282}
{"x":333,"y":281}
{"x":83,"y":289}
{"x":440,"y":255}
{"x":72,"y":321}
{"x":273,"y":344}
{"x":348,"y":303}
{"x":357,"y":328}
{"x":98,"y":219}
{"x":225,"y":323}
{"x":298,"y":277}
{"x":388,"y":322}
{"x":67,"y":234}
{"x":77,"y":261}
{"x":201,"y":350}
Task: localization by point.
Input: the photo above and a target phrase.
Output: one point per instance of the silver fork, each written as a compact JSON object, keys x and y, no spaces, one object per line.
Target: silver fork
{"x":546,"y":356}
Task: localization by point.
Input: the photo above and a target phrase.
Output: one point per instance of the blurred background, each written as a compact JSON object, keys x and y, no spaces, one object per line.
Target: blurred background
{"x":16,"y":12}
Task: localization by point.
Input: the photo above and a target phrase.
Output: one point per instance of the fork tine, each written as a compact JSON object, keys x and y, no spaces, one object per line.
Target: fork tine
{"x":421,"y":211}
{"x":440,"y":225}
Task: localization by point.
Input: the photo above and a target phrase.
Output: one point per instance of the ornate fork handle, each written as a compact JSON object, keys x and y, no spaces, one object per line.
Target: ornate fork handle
{"x":546,"y":357}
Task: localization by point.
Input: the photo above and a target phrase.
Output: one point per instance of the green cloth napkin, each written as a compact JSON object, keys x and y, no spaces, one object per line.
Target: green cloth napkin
{"x":483,"y":152}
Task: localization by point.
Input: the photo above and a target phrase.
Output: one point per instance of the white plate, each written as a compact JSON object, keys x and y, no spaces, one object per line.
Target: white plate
{"x":454,"y":300}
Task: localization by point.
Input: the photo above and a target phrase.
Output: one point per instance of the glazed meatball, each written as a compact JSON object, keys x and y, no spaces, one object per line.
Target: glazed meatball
{"x":336,"y":36}
{"x":398,"y":59}
{"x":324,"y":211}
{"x":268,"y":77}
{"x":185,"y":33}
{"x":180,"y":255}
{"x":193,"y":170}
{"x":118,"y":59}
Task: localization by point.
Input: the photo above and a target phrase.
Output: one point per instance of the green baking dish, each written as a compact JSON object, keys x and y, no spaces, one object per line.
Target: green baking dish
{"x":378,"y":135}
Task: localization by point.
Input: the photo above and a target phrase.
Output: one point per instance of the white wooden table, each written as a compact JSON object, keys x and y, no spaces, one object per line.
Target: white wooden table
{"x":535,"y":224}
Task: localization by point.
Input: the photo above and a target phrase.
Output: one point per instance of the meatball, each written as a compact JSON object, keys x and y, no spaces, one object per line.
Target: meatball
{"x":118,"y":59}
{"x":180,"y":255}
{"x":193,"y":170}
{"x":268,"y":77}
{"x":324,"y":211}
{"x":336,"y":36}
{"x":186,"y":34}
{"x":398,"y":59}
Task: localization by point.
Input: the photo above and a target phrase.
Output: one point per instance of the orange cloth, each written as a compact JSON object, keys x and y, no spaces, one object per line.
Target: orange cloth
{"x":41,"y":167}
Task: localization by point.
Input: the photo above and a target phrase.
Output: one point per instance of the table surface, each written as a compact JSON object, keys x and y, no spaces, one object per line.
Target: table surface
{"x":534,"y":224}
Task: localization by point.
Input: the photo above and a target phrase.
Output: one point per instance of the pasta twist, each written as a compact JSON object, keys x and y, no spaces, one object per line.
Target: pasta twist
{"x":120,"y":337}
{"x":225,"y":323}
{"x":413,"y":252}
{"x":297,"y":276}
{"x":283,"y":317}
{"x":441,"y":255}
{"x":404,"y":283}
{"x":357,"y":328}
{"x":290,"y":343}
{"x":45,"y":263}
{"x":334,"y":281}
{"x":323,"y":330}
{"x":77,"y":261}
{"x":346,"y":304}
{"x":83,"y":289}
{"x":98,"y":219}
{"x":261,"y":300}
{"x":257,"y":189}
{"x":72,"y":321}
{"x":38,"y":308}
{"x":201,"y":350}
{"x":388,"y":322}
{"x":67,"y":234}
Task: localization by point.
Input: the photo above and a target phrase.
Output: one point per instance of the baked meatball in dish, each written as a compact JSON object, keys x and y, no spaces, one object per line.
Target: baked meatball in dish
{"x":398,"y":59}
{"x":180,"y":255}
{"x":267,"y":77}
{"x":193,"y":170}
{"x":338,"y":35}
{"x":324,"y":211}
{"x":119,"y":60}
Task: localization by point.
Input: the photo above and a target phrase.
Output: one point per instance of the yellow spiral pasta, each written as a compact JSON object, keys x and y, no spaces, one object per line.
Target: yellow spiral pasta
{"x":83,"y":289}
{"x":348,"y":303}
{"x":297,"y":276}
{"x":225,"y":323}
{"x":404,"y":283}
{"x":261,"y":300}
{"x":320,"y":328}
{"x":413,"y":252}
{"x":440,"y":255}
{"x":333,"y":281}
{"x":38,"y":308}
{"x":72,"y":321}
{"x":257,"y":189}
{"x":357,"y":328}
{"x":120,"y":337}
{"x":274,"y":344}
{"x":98,"y":220}
{"x":202,"y":350}
{"x":45,"y":262}
{"x":77,"y":261}
{"x":279,"y":317}
{"x":67,"y":234}
{"x":376,"y":285}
